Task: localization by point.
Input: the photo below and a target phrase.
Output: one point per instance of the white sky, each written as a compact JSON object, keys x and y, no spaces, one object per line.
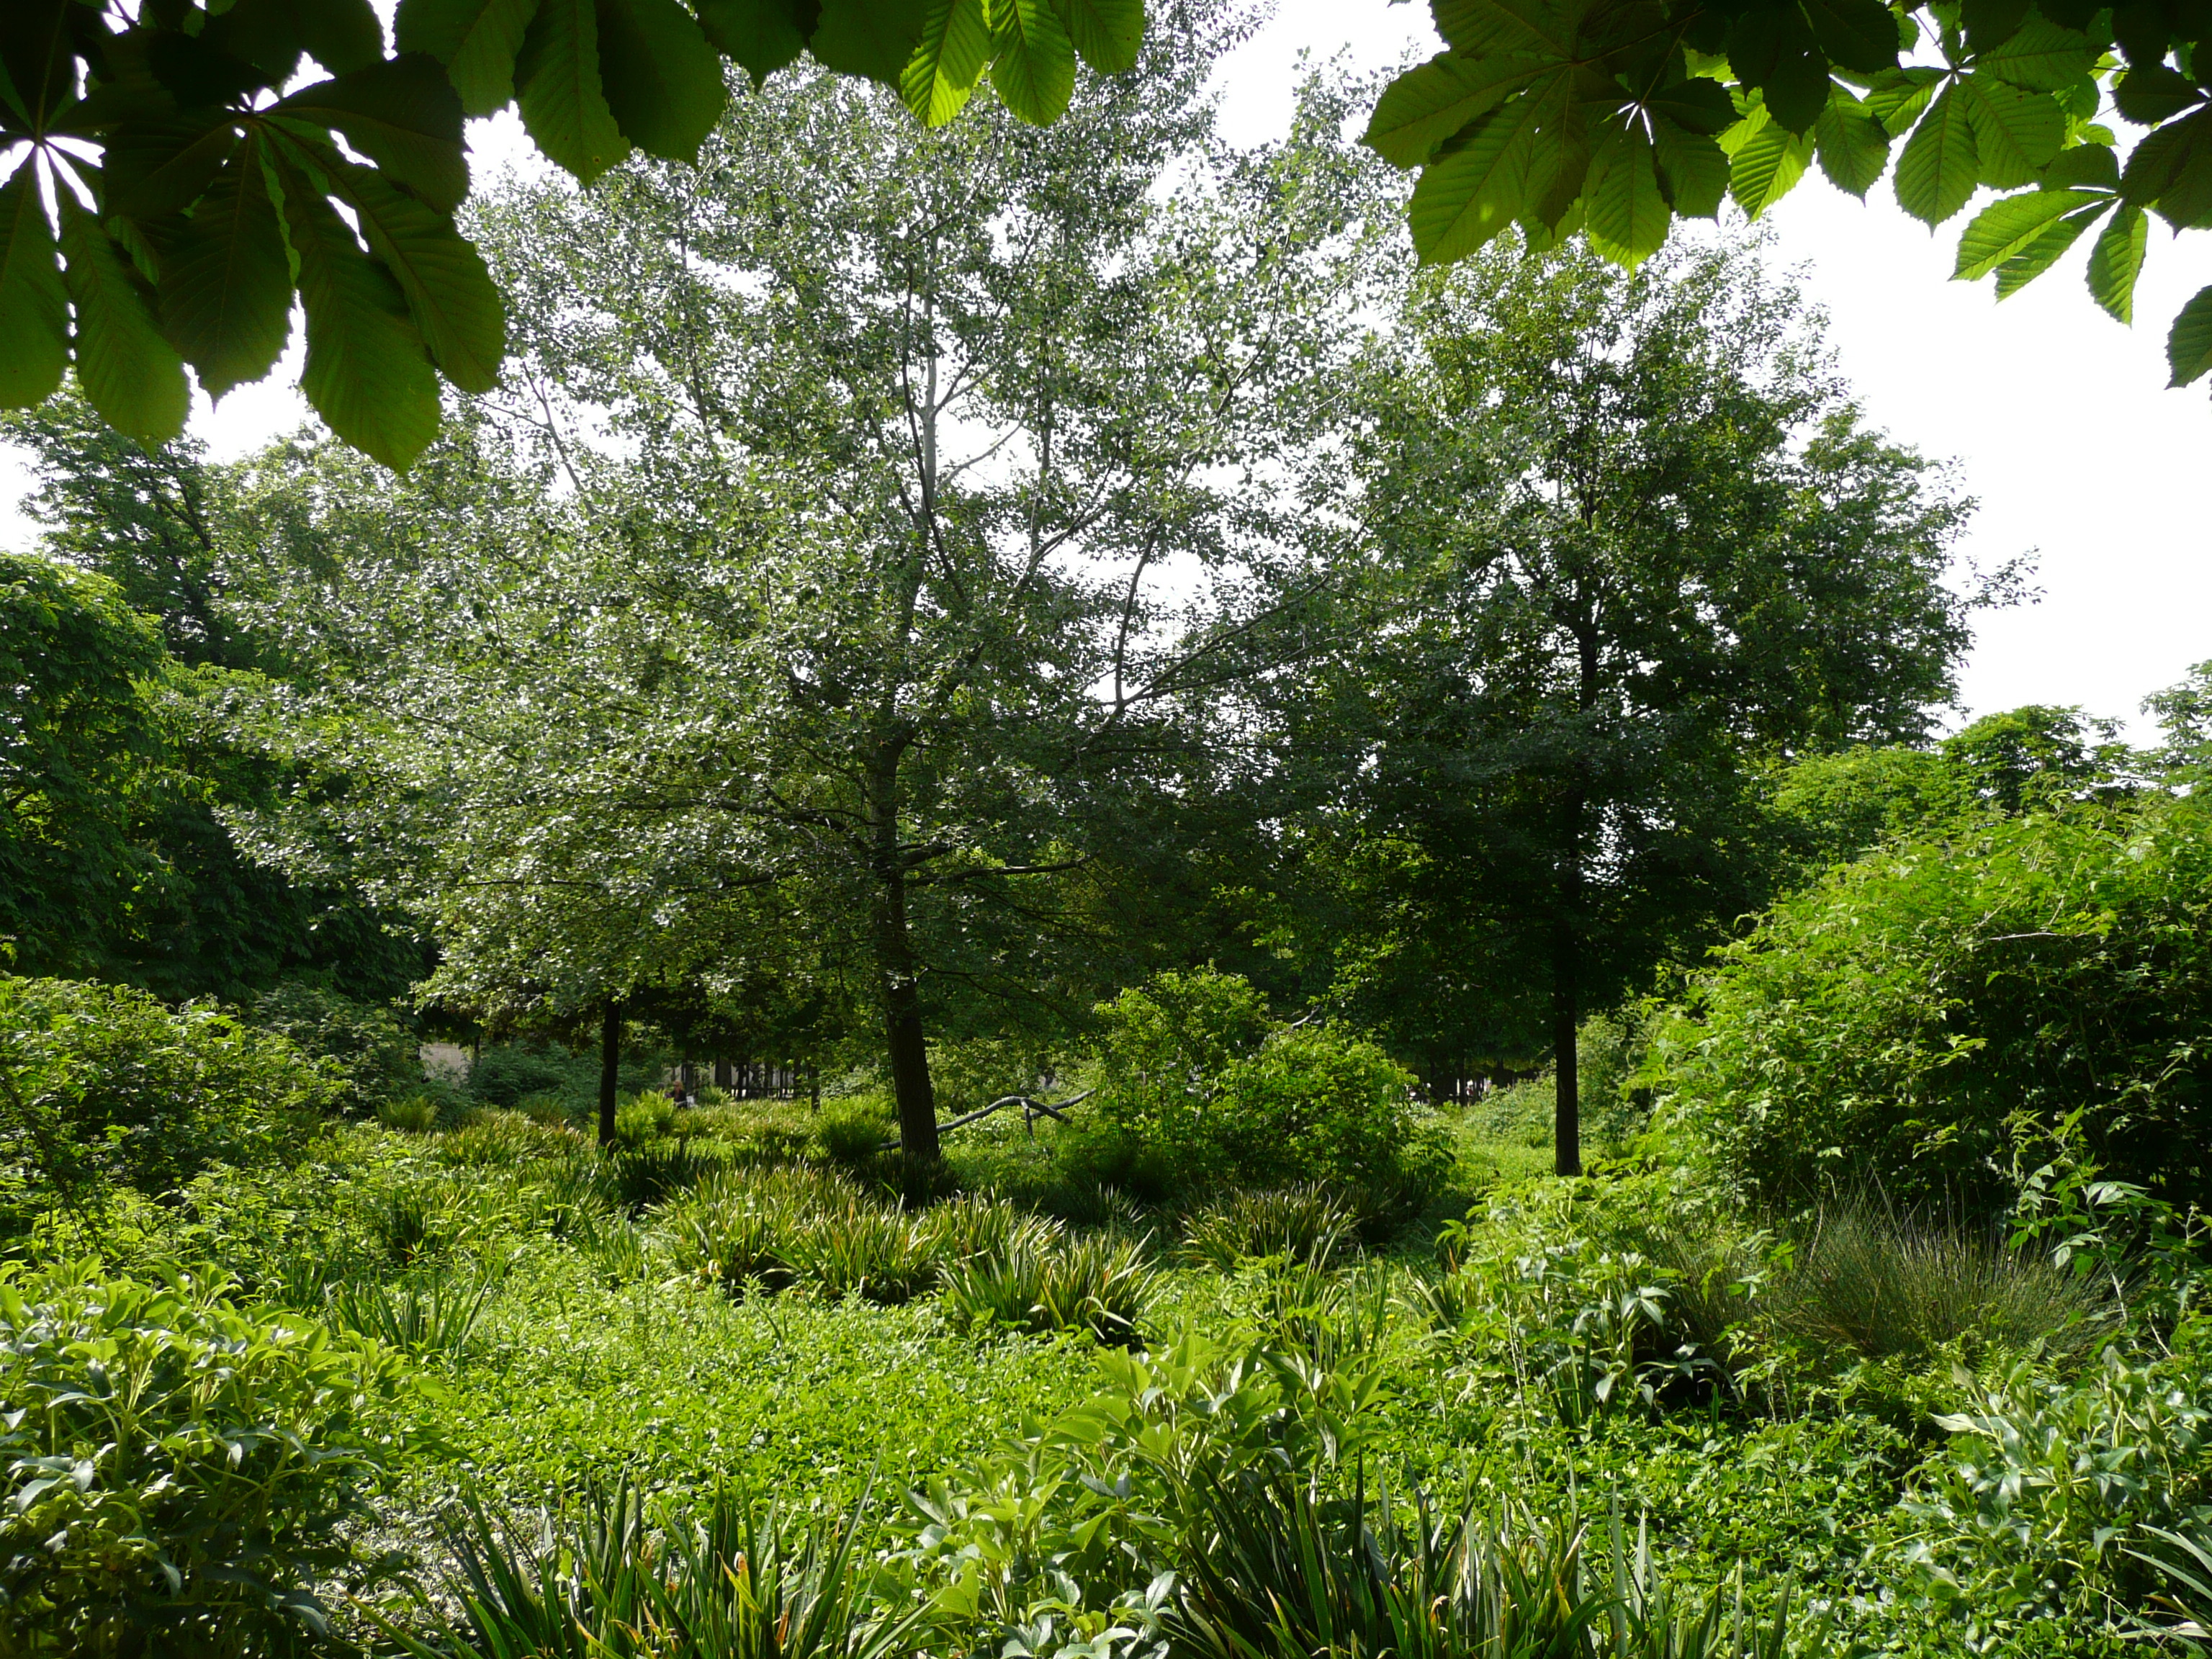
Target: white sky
{"x":2056,"y":415}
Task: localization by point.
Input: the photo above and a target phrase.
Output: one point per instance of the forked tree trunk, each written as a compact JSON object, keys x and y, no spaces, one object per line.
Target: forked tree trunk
{"x":609,"y":1062}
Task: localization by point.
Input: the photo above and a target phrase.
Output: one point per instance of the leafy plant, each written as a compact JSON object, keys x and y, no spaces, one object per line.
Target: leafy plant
{"x":1042,"y":1284}
{"x":435,"y":1317}
{"x":2056,"y":1496}
{"x":1308,"y":1223}
{"x":177,"y":1469}
{"x":415,"y":1115}
{"x":618,"y":1574}
{"x":863,"y":1249}
{"x":854,"y":1130}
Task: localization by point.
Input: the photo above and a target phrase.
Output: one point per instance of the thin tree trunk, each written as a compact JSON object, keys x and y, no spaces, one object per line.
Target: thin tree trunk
{"x":1566,"y":1018}
{"x":609,"y":1061}
{"x":904,"y":1040}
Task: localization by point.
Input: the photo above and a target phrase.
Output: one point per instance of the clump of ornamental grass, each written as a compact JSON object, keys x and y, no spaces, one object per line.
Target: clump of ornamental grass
{"x":1307,"y":1222}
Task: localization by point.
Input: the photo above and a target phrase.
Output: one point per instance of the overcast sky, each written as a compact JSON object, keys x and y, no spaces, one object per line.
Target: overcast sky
{"x":2056,"y":416}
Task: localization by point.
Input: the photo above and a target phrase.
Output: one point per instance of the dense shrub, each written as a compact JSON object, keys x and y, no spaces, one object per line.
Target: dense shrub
{"x":2054,"y":1492}
{"x":511,"y":1072}
{"x":1307,"y":1222}
{"x":378,"y":1058}
{"x":1909,"y":1017}
{"x":102,"y":1086}
{"x":176,"y":1470}
{"x":1194,"y":1076}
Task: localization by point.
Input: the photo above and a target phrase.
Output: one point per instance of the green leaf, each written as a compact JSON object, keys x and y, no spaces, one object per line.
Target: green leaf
{"x":156,"y":168}
{"x":2039,"y":255}
{"x":403,"y":115}
{"x":557,"y":77}
{"x":955,"y":46}
{"x":1896,"y":97}
{"x":2016,"y":134}
{"x":2084,"y":164}
{"x":872,"y":38}
{"x":342,"y":35}
{"x":1465,"y":198}
{"x":2005,"y":226}
{"x":1693,"y":170}
{"x":762,"y":36}
{"x":1475,"y":27}
{"x":1765,"y":160}
{"x":226,"y":288}
{"x":1859,"y":35}
{"x":1109,"y":34}
{"x":1034,"y":69}
{"x":129,"y":374}
{"x":33,"y":305}
{"x":2151,"y":93}
{"x":451,"y":298}
{"x":366,"y":374}
{"x":2116,"y":260}
{"x":2189,"y":346}
{"x":661,"y":78}
{"x":1852,"y":146}
{"x":477,"y":40}
{"x":1698,"y":106}
{"x":1626,"y":216}
{"x":1940,"y":167}
{"x":1430,"y":103}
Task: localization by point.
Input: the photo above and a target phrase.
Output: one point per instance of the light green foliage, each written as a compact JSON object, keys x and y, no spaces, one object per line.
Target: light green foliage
{"x":415,"y":1114}
{"x":2050,"y":1491}
{"x":1041,"y":1281}
{"x":1308,"y":1224}
{"x":1889,"y":1021}
{"x":854,"y":1129}
{"x":1195,"y":1076}
{"x":738,"y":1582}
{"x":103,"y":1088}
{"x":177,"y":1469}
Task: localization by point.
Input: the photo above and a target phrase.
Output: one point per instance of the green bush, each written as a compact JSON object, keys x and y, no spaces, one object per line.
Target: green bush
{"x":1898,"y":1023}
{"x":863,"y":1249}
{"x":2053,"y":1492}
{"x":1194,"y":1075}
{"x":1042,"y":1282}
{"x":379,"y":1058}
{"x":102,"y":1086}
{"x":644,"y":1118}
{"x":510,"y":1073}
{"x":176,"y":1470}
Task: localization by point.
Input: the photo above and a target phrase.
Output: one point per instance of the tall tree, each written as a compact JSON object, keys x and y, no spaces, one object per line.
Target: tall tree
{"x":885,"y":505}
{"x":1643,"y":548}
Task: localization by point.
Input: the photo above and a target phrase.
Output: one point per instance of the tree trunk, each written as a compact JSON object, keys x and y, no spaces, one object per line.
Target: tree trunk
{"x":609,"y":1061}
{"x":903,"y":1038}
{"x":1566,"y":1018}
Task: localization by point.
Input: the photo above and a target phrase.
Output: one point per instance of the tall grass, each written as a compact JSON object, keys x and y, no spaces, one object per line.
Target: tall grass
{"x":1875,"y":1285}
{"x":1042,"y":1284}
{"x":438,"y":1316}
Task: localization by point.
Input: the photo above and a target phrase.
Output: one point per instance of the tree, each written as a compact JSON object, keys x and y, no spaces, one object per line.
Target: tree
{"x":222,"y":186}
{"x":810,"y":619}
{"x":78,"y":744}
{"x":1643,"y":545}
{"x":1612,"y":118}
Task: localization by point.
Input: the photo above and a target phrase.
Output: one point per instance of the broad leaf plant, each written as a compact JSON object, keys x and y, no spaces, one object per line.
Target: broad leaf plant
{"x":1612,"y":117}
{"x":174,"y":173}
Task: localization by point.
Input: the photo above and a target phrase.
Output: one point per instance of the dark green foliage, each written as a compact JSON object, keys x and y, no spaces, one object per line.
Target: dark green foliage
{"x":176,"y":1470}
{"x":378,"y":1058}
{"x":104,"y":1088}
{"x":510,"y":1073}
{"x":1912,"y":1017}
